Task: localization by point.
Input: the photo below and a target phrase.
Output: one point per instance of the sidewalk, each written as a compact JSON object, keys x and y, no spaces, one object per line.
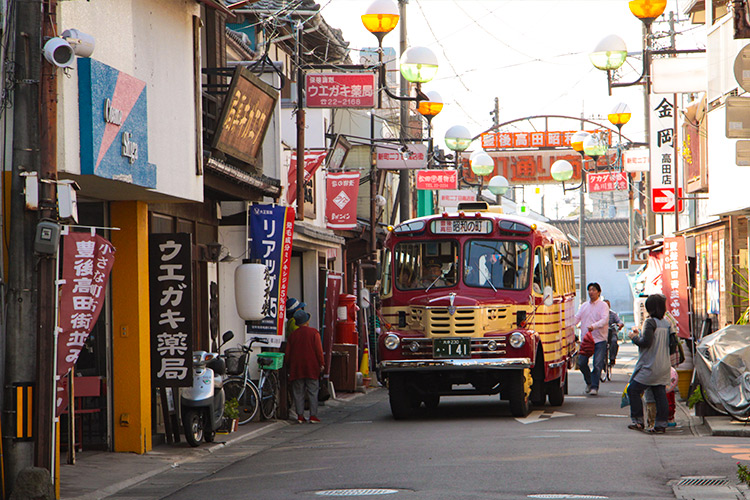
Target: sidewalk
{"x":98,"y":474}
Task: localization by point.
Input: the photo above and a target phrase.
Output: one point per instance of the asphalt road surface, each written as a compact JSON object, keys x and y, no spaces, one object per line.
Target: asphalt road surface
{"x":469,"y":448}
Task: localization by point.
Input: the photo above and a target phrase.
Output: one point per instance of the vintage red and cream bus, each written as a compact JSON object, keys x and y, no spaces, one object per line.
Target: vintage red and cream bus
{"x":476,"y":302}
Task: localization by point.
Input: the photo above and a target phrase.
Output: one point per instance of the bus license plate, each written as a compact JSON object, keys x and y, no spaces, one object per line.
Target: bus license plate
{"x":451,"y":348}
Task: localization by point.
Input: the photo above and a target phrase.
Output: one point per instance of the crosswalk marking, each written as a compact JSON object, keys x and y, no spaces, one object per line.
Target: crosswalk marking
{"x":541,"y":416}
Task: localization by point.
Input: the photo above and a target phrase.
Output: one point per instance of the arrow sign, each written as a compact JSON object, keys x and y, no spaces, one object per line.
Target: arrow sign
{"x":663,"y":200}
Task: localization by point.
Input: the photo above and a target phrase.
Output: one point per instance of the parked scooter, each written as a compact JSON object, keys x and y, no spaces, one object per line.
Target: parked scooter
{"x":202,"y":404}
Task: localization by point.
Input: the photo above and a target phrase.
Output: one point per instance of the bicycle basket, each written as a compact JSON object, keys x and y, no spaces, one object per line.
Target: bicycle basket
{"x":271,"y":360}
{"x":235,"y":361}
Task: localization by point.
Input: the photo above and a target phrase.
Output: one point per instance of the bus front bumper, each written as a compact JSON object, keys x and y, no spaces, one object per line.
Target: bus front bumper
{"x":454,"y":364}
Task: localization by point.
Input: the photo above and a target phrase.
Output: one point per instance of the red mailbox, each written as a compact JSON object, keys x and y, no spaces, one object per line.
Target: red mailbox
{"x":346,"y":320}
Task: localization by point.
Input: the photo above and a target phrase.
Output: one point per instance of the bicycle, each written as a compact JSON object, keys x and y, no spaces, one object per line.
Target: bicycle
{"x":251,"y":397}
{"x":606,"y":373}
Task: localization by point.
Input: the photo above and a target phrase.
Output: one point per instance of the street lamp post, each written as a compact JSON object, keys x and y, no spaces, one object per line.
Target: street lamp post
{"x":498,"y":186}
{"x":417,"y":65}
{"x":429,"y":109}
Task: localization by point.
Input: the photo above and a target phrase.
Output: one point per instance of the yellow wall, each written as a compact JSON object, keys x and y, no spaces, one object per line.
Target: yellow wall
{"x":131,"y":330}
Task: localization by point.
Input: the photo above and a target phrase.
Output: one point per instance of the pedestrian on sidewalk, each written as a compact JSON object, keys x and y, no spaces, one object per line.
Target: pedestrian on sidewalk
{"x":652,"y":370}
{"x":593,"y":316}
{"x":292,"y":306}
{"x":304,"y":357}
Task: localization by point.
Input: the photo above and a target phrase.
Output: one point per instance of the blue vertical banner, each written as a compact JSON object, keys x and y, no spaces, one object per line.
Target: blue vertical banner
{"x":271,"y":231}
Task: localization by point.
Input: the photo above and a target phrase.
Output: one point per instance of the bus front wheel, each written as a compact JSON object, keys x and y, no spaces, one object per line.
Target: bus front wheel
{"x":518,"y":397}
{"x":555,"y":392}
{"x":402,"y":402}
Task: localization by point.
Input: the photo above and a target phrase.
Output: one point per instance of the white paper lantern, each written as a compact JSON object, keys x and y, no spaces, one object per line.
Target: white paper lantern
{"x":250,"y":290}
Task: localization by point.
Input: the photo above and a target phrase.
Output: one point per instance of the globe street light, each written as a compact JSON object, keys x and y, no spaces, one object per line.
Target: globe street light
{"x":482,"y":165}
{"x":458,"y":138}
{"x":418,"y":64}
{"x":609,"y":54}
{"x":498,"y":186}
{"x":380,"y":18}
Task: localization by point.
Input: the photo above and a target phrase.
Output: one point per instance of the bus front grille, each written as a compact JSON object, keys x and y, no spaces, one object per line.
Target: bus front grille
{"x":462,"y":323}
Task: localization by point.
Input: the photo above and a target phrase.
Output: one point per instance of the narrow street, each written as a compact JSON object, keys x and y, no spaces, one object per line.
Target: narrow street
{"x":468,"y":448}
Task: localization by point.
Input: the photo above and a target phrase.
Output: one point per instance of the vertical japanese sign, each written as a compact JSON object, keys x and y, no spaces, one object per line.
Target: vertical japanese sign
{"x":271,"y":231}
{"x":171,"y":300}
{"x":664,"y":175}
{"x":674,"y":283}
{"x":342,"y":189}
{"x":87,"y":261}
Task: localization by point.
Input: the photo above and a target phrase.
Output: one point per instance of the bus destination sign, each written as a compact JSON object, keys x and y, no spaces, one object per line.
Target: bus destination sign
{"x":462,"y":226}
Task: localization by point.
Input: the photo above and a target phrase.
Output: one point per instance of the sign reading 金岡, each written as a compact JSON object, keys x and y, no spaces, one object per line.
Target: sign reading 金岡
{"x":171,"y":303}
{"x":674,"y":283}
{"x":340,"y":90}
{"x":342,"y":189}
{"x":606,"y":181}
{"x":664,"y":175}
{"x":271,"y":232}
{"x":87,"y":262}
{"x":437,"y":179}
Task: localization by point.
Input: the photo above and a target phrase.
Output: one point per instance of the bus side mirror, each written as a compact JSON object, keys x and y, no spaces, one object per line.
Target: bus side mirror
{"x":547,"y":295}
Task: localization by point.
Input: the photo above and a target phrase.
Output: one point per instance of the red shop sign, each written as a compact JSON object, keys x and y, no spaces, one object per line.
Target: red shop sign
{"x":437,"y":179}
{"x":340,"y":90}
{"x":606,"y":181}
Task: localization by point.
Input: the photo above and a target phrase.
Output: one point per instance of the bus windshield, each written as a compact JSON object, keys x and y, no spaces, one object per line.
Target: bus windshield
{"x":423,"y":265}
{"x":496,"y":264}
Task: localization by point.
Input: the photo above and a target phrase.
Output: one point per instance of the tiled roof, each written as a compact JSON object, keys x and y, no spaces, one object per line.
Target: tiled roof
{"x":598,"y":232}
{"x":332,"y":52}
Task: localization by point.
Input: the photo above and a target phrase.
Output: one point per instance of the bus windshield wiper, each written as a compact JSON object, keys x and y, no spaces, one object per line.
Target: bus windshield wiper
{"x":489,"y":279}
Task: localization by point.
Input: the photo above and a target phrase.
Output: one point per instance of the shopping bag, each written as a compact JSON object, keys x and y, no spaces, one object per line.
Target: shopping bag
{"x":625,"y":401}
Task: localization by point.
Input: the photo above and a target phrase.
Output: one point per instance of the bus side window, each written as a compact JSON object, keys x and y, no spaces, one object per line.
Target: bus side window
{"x":538,"y":285}
{"x":549,"y":270}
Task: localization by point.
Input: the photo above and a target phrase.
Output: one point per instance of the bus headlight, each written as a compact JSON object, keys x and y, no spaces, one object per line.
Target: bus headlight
{"x":516,"y":340}
{"x":391,"y":341}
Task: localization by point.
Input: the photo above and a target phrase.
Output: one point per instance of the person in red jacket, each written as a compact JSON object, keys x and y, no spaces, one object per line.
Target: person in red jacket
{"x":304,"y":355}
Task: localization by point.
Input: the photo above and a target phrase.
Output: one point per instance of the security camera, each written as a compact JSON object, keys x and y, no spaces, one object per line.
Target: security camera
{"x":59,"y":52}
{"x":83,"y":44}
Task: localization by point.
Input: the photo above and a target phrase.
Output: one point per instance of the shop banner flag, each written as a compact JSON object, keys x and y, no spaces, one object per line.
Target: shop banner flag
{"x":86,"y":264}
{"x":271,"y":231}
{"x":674,"y":283}
{"x":342,"y":189}
{"x":170,"y":260}
{"x":313,"y":160}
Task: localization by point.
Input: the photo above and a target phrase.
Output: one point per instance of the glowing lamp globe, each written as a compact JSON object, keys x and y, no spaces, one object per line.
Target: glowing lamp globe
{"x":458,"y":138}
{"x":381,"y":17}
{"x":594,"y":147}
{"x":620,"y":114}
{"x":418,"y":64}
{"x":609,"y":54}
{"x":576,"y":142}
{"x":432,"y":106}
{"x":647,"y":10}
{"x":498,"y":185}
{"x":561,"y":170}
{"x":482,"y":165}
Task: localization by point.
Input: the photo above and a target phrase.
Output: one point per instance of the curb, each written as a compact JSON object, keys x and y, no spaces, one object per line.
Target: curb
{"x":178,"y":460}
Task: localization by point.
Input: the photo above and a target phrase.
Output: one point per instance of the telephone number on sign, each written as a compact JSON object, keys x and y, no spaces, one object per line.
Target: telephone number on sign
{"x":341,"y":102}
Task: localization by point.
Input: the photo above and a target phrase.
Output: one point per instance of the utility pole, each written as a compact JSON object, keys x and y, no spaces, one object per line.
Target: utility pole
{"x":300,"y":125}
{"x":404,"y":183}
{"x":21,"y":341}
{"x":496,"y":113}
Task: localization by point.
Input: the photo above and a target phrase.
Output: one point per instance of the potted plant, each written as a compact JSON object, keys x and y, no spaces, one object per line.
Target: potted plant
{"x":232,"y":414}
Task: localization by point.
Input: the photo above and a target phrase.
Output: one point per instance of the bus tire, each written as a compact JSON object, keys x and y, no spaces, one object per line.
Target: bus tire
{"x":431,"y":401}
{"x":555,"y":392}
{"x":538,"y":389}
{"x":402,"y":403}
{"x":520,"y":406}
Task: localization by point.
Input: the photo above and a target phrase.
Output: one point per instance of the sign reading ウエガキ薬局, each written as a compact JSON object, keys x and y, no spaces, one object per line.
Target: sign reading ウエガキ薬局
{"x":114,"y":124}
